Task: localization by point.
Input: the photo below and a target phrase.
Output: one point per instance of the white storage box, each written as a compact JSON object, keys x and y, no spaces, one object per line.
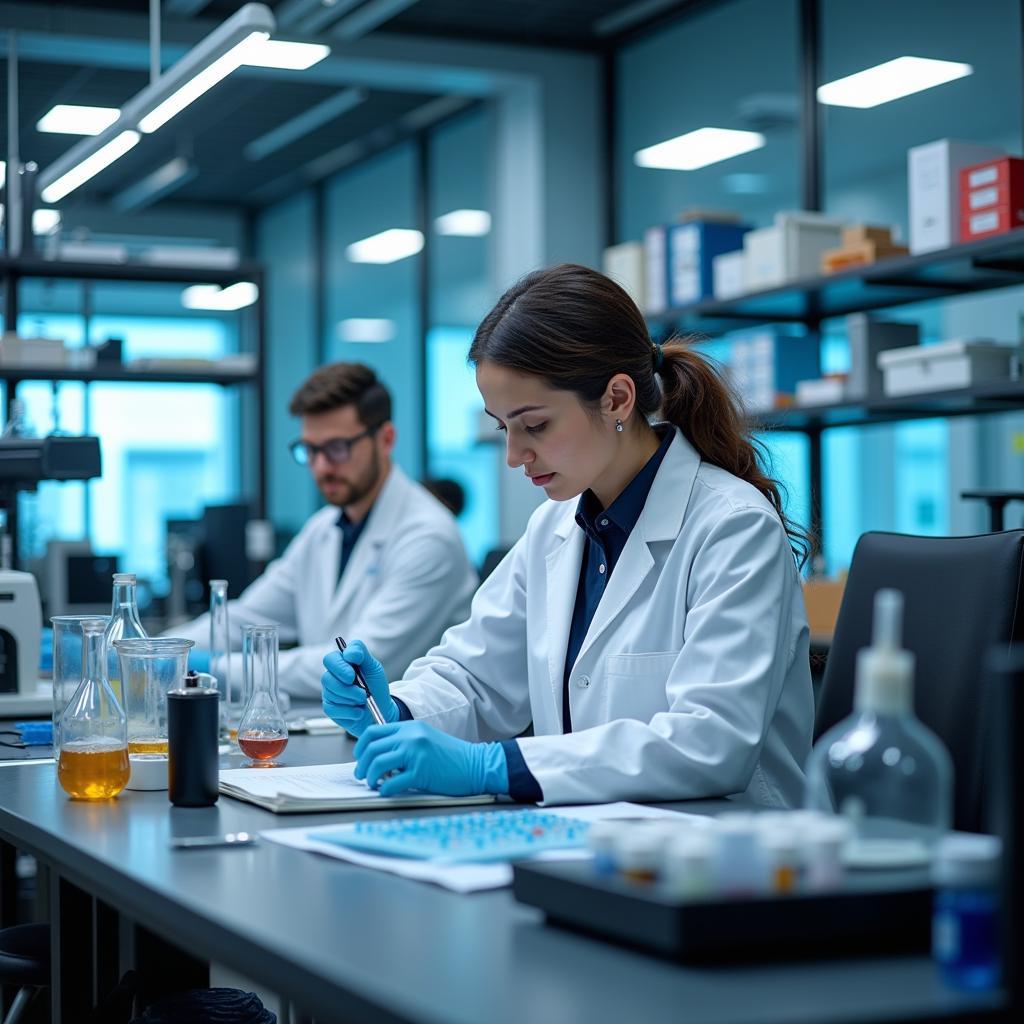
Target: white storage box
{"x":948,"y":366}
{"x":37,"y":352}
{"x":729,"y":274}
{"x":933,"y":177}
{"x":624,"y":264}
{"x":790,"y":249}
{"x":655,"y":270}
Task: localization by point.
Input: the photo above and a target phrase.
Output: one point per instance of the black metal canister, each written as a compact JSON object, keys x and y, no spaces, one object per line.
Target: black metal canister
{"x":193,"y":725}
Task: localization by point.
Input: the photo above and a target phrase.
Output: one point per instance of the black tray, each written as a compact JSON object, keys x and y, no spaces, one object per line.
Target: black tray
{"x":874,"y":913}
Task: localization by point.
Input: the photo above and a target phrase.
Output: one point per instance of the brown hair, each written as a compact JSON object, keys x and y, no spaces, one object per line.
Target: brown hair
{"x":575,"y":329}
{"x":340,"y":384}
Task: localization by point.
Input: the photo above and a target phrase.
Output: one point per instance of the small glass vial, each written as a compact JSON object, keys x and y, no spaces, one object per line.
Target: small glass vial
{"x":965,"y":925}
{"x":739,"y":867}
{"x":638,"y":855}
{"x":602,"y":837}
{"x":124,"y":624}
{"x":687,"y":864}
{"x":93,"y":760}
{"x":824,"y":842}
{"x":782,"y":854}
{"x":231,"y":703}
{"x":262,"y":732}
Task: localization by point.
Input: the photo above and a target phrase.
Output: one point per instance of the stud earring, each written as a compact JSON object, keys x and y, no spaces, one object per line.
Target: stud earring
{"x":618,"y":426}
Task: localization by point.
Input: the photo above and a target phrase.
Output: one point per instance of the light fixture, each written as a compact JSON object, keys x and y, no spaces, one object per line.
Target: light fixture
{"x":44,"y":221}
{"x":467,"y":223}
{"x":891,"y":81}
{"x":72,"y":119}
{"x":386,"y":247}
{"x":213,"y":297}
{"x":366,"y":330}
{"x":3,"y":173}
{"x":154,"y":186}
{"x":698,"y":149}
{"x":278,"y":53}
{"x":209,"y":61}
{"x":82,"y":171}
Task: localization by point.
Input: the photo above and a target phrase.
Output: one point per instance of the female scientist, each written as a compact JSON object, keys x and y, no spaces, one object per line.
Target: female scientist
{"x":652,"y":631}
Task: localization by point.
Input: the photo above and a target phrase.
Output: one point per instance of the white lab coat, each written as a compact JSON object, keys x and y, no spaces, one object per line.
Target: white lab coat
{"x":693,"y":679}
{"x":407,"y":580}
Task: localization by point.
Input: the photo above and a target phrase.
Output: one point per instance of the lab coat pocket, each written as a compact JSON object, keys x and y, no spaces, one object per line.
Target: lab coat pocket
{"x":636,"y":685}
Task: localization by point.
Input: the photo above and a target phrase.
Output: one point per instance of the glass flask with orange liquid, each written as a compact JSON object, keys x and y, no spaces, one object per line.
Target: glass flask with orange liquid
{"x":262,"y":732}
{"x":148,"y":669}
{"x":93,"y":759}
{"x":124,"y":624}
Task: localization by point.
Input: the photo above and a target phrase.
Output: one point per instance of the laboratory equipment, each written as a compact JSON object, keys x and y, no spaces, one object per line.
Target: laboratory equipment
{"x":483,"y":836}
{"x":965,"y":928}
{"x":148,"y":772}
{"x":67,"y":663}
{"x":21,"y":627}
{"x":75,"y":581}
{"x":205,"y":842}
{"x":124,"y":624}
{"x":193,"y":721}
{"x":881,"y":768}
{"x":93,"y":759}
{"x":148,"y":668}
{"x":262,"y":732}
{"x":220,"y":656}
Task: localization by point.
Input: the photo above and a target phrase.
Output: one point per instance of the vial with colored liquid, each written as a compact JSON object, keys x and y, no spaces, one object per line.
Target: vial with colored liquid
{"x":262,"y":732}
{"x":93,"y":759}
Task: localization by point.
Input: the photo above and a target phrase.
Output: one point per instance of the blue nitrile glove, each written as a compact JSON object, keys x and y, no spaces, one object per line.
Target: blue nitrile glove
{"x":424,"y":758}
{"x":343,"y":701}
{"x":199,"y":661}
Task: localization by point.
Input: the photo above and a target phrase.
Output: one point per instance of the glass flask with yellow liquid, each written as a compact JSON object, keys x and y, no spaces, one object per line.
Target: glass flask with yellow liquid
{"x":93,"y":759}
{"x":124,"y":624}
{"x":148,"y":669}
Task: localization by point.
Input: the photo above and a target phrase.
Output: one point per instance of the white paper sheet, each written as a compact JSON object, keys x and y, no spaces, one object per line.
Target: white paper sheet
{"x":336,"y":781}
{"x":464,"y":877}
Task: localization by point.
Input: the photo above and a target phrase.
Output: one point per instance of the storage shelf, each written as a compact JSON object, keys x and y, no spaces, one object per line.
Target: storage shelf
{"x":121,"y":374}
{"x":985,"y":399}
{"x":991,"y":263}
{"x":73,"y":270}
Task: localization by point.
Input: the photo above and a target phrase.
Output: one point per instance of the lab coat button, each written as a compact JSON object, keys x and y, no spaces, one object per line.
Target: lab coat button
{"x":583,"y":682}
{"x":601,"y":568}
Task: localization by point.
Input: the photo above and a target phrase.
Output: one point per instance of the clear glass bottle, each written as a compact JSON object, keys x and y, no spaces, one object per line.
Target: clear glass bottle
{"x":124,"y":624}
{"x":93,"y":760}
{"x":881,"y":767}
{"x":220,"y":655}
{"x":262,"y":732}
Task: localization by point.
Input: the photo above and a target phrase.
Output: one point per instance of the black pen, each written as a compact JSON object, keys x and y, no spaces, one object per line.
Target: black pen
{"x":361,"y":683}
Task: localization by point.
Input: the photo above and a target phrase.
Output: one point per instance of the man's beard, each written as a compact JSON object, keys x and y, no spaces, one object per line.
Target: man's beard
{"x":359,"y":489}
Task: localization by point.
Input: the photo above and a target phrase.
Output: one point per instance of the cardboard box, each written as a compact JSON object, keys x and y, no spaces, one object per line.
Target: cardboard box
{"x":858,"y":254}
{"x":857,"y":233}
{"x":728,"y":273}
{"x":867,"y":337}
{"x":822,"y":599}
{"x":790,"y":249}
{"x":655,"y":270}
{"x":765,"y":364}
{"x":624,"y":264}
{"x":933,"y":176}
{"x":948,"y":366}
{"x":691,"y":249}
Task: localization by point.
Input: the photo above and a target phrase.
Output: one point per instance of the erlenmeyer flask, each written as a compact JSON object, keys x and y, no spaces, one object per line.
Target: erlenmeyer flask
{"x":262,"y":732}
{"x":93,"y":761}
{"x":67,"y":664}
{"x":124,"y":624}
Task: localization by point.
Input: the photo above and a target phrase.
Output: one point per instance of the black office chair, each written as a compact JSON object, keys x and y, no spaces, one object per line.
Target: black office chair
{"x":25,"y":962}
{"x":962,"y":597}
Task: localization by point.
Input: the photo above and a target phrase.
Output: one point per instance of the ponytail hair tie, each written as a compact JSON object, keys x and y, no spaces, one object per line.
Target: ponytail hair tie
{"x":659,"y":357}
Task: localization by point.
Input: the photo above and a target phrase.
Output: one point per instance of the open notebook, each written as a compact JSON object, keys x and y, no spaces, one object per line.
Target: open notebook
{"x":322,"y":787}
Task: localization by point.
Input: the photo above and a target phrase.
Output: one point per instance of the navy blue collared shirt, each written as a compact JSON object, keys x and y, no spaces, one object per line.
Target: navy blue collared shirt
{"x":350,"y":533}
{"x":607,"y":531}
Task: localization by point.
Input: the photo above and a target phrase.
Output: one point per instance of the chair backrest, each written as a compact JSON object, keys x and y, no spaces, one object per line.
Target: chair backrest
{"x":962,"y":597}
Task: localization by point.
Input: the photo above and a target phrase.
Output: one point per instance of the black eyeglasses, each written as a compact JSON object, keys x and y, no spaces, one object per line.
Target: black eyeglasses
{"x":337,"y":449}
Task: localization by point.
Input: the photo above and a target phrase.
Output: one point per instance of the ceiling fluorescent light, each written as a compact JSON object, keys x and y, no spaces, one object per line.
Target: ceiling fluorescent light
{"x":366,"y":330}
{"x":277,"y":53}
{"x":213,"y":297}
{"x":55,"y":191}
{"x":698,"y":149}
{"x":154,"y":186}
{"x":466,"y":223}
{"x":45,"y":222}
{"x":891,"y":81}
{"x":72,"y":119}
{"x":386,"y":247}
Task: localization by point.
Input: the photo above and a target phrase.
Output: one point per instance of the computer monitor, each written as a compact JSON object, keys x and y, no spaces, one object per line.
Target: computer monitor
{"x":76,"y":581}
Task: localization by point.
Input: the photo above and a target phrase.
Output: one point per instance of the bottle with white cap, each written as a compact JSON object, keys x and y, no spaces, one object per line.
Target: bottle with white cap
{"x":882,"y":767}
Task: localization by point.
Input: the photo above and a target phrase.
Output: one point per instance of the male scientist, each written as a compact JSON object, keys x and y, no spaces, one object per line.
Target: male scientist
{"x":383,"y":561}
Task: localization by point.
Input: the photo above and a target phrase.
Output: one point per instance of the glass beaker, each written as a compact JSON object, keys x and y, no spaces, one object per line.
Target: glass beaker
{"x":93,"y":761}
{"x":262,"y":732}
{"x":67,"y":663}
{"x":148,"y":669}
{"x":124,"y":624}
